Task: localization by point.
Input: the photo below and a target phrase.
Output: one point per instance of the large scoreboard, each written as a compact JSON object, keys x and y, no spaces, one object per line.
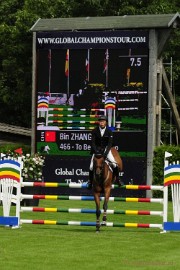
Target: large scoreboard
{"x":79,"y":76}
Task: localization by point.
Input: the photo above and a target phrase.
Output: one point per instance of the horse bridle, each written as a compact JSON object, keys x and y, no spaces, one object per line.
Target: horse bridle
{"x":101,"y":168}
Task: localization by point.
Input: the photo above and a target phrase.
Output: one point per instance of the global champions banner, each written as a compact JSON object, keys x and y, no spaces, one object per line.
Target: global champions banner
{"x":79,"y":76}
{"x":85,"y":40}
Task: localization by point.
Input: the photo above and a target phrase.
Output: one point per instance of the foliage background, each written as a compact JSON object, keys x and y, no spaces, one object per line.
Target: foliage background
{"x":158,"y":165}
{"x":16,"y":19}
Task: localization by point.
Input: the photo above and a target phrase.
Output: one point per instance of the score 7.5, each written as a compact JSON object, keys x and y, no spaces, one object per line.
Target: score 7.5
{"x":135,"y":61}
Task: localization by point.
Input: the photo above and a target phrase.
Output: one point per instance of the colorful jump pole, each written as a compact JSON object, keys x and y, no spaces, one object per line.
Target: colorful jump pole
{"x":89,"y":223}
{"x":90,"y":198}
{"x":91,"y":211}
{"x":84,"y":185}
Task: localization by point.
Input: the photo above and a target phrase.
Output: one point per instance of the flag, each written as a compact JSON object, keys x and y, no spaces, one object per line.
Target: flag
{"x":67,"y":64}
{"x":128,"y":73}
{"x":18,"y":151}
{"x":167,"y":154}
{"x":87,"y":64}
{"x":49,"y":58}
{"x":50,"y":136}
{"x":106,"y":61}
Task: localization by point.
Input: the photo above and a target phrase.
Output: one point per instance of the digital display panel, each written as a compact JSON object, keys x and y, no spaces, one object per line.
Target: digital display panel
{"x":82,"y":75}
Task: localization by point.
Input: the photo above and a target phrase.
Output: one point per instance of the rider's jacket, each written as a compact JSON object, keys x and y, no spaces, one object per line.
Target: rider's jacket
{"x":101,"y":144}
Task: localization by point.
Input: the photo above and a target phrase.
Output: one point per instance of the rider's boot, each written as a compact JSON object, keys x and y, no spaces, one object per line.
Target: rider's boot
{"x":118,"y":179}
{"x":89,"y":183}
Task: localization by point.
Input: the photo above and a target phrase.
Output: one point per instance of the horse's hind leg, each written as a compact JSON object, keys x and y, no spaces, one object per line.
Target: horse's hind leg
{"x":98,"y":212}
{"x":105,"y":206}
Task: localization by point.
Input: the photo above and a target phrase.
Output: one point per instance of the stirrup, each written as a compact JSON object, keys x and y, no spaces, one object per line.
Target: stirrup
{"x":119,"y":182}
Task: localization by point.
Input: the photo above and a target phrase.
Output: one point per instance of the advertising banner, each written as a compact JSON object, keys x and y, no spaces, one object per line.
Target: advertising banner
{"x":76,"y":170}
{"x":91,"y":39}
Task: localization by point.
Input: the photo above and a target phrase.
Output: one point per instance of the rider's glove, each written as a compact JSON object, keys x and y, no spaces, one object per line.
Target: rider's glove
{"x":105,"y":155}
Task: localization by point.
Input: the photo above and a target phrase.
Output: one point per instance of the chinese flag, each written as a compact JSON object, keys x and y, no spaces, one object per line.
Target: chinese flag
{"x":67,"y":64}
{"x":50,"y":136}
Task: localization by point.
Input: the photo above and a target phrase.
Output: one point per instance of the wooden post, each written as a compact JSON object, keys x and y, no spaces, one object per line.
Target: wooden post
{"x":171,"y":101}
{"x":152,"y":97}
{"x":33,"y":95}
{"x":158,"y":105}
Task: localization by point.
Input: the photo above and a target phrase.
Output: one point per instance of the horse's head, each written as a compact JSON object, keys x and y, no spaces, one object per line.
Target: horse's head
{"x":99,"y":164}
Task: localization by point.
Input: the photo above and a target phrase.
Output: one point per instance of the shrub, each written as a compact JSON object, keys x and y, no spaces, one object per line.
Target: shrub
{"x":11,"y":147}
{"x":32,"y":164}
{"x":158,"y":165}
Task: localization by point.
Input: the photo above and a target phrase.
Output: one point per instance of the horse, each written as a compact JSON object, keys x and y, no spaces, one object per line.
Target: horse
{"x":103,"y":178}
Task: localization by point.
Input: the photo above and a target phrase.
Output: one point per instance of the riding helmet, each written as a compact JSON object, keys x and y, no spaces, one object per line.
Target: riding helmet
{"x":102,"y":117}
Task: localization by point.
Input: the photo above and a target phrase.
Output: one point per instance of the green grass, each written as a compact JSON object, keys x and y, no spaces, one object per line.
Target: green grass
{"x":50,"y":247}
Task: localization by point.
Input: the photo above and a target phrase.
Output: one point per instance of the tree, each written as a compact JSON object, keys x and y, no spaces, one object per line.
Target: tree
{"x":16,"y":55}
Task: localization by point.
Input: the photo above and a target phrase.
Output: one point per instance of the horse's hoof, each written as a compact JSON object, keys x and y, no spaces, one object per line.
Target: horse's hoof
{"x":103,"y":223}
{"x":97,"y":231}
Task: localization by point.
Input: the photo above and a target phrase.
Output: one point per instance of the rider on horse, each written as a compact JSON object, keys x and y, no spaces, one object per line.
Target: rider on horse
{"x":102,"y":141}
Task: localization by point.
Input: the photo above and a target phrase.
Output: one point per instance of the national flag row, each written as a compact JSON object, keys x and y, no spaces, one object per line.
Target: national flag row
{"x":87,"y":64}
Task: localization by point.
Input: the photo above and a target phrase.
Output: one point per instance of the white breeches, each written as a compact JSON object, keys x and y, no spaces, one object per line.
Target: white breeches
{"x":109,"y":157}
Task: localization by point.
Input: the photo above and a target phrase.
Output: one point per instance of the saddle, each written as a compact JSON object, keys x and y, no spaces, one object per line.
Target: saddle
{"x":100,"y":155}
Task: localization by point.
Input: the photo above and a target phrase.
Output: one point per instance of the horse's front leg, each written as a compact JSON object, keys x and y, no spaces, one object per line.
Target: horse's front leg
{"x":105,"y":206}
{"x":98,"y":212}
